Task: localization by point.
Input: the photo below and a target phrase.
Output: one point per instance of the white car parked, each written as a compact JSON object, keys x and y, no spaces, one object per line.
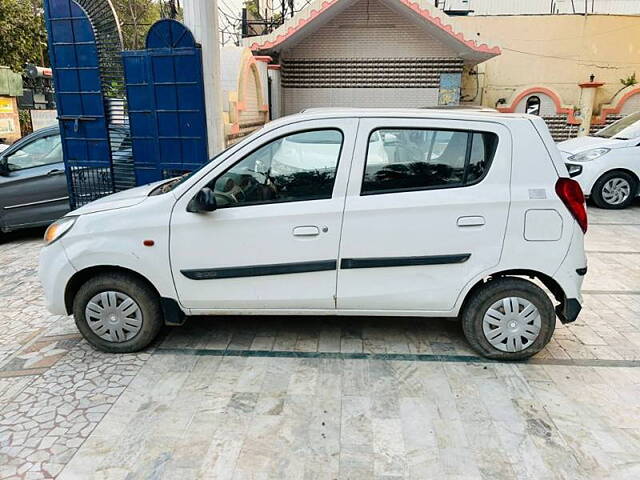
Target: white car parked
{"x":607,"y":164}
{"x":338,"y":212}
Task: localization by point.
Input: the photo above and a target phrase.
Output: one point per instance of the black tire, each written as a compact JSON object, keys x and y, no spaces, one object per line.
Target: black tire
{"x":597,"y":190}
{"x":492,"y":291}
{"x":146,"y":298}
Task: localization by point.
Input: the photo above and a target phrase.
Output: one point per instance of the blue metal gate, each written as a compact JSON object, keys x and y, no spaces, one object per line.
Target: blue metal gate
{"x":166,"y":103}
{"x":81,"y":112}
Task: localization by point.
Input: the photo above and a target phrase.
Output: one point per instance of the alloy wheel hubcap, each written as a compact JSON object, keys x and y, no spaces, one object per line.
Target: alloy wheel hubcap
{"x":511,"y":324}
{"x":114,"y":316}
{"x":616,"y":191}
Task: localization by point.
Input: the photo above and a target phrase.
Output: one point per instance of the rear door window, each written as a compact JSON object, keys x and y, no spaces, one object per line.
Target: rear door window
{"x":419,"y":159}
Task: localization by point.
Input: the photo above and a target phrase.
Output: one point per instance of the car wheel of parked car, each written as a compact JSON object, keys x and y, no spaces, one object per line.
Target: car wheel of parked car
{"x":117,"y":313}
{"x":615,"y":190}
{"x":508,"y":319}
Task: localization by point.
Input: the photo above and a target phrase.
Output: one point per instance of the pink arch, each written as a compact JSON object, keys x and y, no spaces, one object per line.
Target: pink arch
{"x":602,"y":118}
{"x":571,"y":119}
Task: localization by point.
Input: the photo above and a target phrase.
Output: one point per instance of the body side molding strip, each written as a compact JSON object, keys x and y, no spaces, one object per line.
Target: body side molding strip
{"x":347,"y":263}
{"x":320,"y":265}
{"x":260,"y":270}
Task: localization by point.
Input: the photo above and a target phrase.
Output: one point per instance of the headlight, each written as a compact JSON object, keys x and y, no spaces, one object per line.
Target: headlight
{"x":588,"y":155}
{"x":574,"y":170}
{"x":58,"y":228}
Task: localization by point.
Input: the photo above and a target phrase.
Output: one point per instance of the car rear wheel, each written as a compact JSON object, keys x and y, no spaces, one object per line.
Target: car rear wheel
{"x":508,"y":319}
{"x":117,"y":313}
{"x":615,"y":190}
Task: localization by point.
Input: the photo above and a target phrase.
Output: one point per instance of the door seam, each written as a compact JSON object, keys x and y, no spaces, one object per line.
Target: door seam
{"x":344,"y":208}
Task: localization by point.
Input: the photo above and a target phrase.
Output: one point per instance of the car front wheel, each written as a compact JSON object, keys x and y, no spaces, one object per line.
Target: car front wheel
{"x":117,"y":313}
{"x":615,"y":190}
{"x":508,"y":319}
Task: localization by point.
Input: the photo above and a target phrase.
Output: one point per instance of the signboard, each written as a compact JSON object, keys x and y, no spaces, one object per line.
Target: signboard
{"x":449,"y":92}
{"x":43,"y":118}
{"x":6,"y":105}
{"x":7,"y":127}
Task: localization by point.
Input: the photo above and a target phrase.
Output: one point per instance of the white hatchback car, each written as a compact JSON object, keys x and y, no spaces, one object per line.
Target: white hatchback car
{"x":607,"y":164}
{"x":338,"y":212}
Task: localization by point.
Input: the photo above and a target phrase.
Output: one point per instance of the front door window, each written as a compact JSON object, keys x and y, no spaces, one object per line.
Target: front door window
{"x":294,"y":168}
{"x":43,"y":151}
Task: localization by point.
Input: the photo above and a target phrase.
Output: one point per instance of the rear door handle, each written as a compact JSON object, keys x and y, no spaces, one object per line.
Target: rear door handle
{"x":55,"y":171}
{"x":306,"y":231}
{"x":471,"y":221}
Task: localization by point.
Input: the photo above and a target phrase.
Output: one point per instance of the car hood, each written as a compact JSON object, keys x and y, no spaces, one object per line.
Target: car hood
{"x":581,"y":144}
{"x":126,"y":198}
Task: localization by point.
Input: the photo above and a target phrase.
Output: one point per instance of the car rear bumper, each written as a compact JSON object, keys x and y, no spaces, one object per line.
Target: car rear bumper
{"x":55,"y":271}
{"x":568,"y":310}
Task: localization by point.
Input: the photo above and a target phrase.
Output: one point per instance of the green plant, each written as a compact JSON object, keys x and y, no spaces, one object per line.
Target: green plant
{"x":24,"y":38}
{"x":25,"y":122}
{"x":252,"y":8}
{"x":629,"y":81}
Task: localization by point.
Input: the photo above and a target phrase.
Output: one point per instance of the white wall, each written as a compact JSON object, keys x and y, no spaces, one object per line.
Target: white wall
{"x":510,"y":7}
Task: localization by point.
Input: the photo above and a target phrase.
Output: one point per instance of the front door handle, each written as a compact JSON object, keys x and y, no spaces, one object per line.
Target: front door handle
{"x":306,"y":231}
{"x":471,"y":221}
{"x":55,"y":171}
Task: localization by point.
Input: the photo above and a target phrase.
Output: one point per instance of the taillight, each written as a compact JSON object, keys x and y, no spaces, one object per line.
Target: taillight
{"x":571,"y":195}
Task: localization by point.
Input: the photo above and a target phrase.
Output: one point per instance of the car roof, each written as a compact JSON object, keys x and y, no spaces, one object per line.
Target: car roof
{"x":471,"y":114}
{"x":56,"y":129}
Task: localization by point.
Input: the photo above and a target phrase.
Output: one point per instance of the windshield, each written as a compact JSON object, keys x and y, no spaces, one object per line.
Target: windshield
{"x":624,"y":129}
{"x":171,"y":184}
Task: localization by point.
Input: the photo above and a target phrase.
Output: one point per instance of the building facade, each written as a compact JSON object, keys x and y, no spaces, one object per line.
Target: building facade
{"x":369,"y":53}
{"x":539,"y":7}
{"x":576,"y":71}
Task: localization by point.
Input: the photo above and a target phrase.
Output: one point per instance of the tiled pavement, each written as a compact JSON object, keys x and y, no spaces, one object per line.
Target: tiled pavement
{"x":316,"y":398}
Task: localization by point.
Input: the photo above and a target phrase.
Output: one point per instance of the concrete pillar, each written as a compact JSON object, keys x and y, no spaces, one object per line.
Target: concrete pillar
{"x":587,"y":100}
{"x":276,"y":91}
{"x":201,"y":16}
{"x":262,"y":63}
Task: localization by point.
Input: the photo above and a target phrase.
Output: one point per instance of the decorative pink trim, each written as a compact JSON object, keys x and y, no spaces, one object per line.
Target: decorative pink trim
{"x":263,"y":108}
{"x":240,"y":106}
{"x":602,"y":118}
{"x":435,"y":20}
{"x":291,"y":30}
{"x":263,"y":58}
{"x":571,"y":119}
{"x":235,"y":129}
{"x":273,"y":67}
{"x":484,"y":48}
{"x":590,"y":84}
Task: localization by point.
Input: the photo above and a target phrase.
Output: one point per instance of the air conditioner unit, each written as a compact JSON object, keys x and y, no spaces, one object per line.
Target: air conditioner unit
{"x":455,"y":7}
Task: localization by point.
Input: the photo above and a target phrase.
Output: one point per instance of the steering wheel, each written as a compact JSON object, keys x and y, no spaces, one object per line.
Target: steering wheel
{"x":229,"y":198}
{"x":233,"y":193}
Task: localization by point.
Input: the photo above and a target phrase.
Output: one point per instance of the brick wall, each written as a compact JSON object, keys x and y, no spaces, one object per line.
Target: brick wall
{"x":417,"y":72}
{"x":297,"y":99}
{"x":369,"y":29}
{"x":367,"y":56}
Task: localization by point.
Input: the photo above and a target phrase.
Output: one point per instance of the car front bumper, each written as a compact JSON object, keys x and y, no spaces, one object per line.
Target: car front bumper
{"x":55,"y":271}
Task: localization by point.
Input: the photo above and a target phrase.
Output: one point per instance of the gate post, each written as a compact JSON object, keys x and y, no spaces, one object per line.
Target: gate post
{"x":201,"y":16}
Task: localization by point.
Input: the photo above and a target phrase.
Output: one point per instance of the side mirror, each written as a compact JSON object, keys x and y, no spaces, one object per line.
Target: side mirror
{"x":204,"y":201}
{"x":4,"y":167}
